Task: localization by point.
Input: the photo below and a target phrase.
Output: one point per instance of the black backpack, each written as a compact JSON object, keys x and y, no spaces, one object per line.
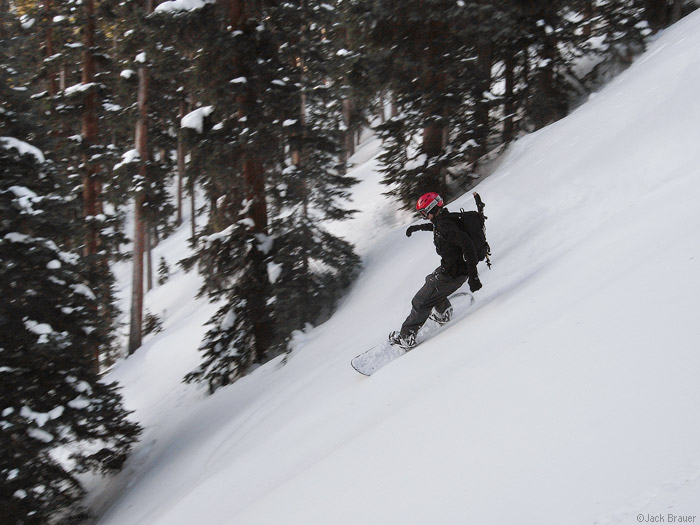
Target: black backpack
{"x":474,"y":224}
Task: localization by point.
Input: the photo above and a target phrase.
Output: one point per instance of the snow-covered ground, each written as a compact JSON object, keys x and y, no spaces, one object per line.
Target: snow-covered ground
{"x":570,"y":393}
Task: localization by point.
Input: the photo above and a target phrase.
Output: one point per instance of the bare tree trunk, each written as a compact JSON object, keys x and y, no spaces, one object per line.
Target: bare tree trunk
{"x":349,"y":134}
{"x":63,"y":74}
{"x":348,"y":104}
{"x":433,"y":140}
{"x":546,"y":104}
{"x":482,"y":104}
{"x":48,"y":11}
{"x":676,"y":12}
{"x":180,"y":164}
{"x":193,"y":207}
{"x":90,"y":128}
{"x":254,"y":178}
{"x":141,"y":144}
{"x":136,"y":318}
{"x":4,"y":8}
{"x":433,"y":80}
{"x":382,"y":114}
{"x":508,"y":97}
{"x":588,"y":11}
{"x":90,"y":133}
{"x":148,"y":238}
{"x":656,"y":14}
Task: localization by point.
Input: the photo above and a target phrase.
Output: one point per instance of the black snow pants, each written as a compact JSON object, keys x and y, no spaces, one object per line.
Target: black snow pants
{"x":438,"y":286}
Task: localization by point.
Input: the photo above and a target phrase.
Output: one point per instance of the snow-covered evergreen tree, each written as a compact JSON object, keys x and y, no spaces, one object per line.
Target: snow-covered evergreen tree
{"x":266,"y":144}
{"x":228,"y":346}
{"x":57,"y":419}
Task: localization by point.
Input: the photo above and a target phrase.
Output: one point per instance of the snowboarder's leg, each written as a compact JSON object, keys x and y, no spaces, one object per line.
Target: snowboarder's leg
{"x":433,"y":294}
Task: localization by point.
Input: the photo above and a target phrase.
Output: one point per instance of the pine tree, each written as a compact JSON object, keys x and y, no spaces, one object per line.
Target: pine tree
{"x":163,"y":271}
{"x":58,"y":419}
{"x":267,"y":102}
{"x":228,"y":346}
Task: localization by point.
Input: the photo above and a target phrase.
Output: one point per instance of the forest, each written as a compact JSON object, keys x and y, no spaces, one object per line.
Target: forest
{"x":116,"y":116}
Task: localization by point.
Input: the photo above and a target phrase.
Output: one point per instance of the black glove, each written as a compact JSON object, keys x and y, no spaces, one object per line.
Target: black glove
{"x":412,"y":229}
{"x":474,"y":283}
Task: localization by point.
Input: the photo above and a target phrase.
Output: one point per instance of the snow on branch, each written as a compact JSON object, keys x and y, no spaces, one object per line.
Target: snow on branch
{"x":129,"y":157}
{"x":195,"y":119}
{"x":177,"y":6}
{"x":22,"y":147}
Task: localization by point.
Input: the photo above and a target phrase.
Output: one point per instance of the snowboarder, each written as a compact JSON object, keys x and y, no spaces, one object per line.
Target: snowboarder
{"x":458,"y":264}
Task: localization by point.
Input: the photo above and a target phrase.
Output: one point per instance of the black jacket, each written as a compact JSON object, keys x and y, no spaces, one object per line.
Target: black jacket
{"x":455,"y":248}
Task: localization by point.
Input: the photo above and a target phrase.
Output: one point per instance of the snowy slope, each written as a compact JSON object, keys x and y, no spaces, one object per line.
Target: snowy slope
{"x":568,"y":395}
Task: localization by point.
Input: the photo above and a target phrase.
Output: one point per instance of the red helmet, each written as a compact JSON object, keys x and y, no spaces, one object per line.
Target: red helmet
{"x":427,"y":202}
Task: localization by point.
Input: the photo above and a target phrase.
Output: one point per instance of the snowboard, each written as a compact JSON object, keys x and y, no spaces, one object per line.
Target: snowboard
{"x":367,"y":363}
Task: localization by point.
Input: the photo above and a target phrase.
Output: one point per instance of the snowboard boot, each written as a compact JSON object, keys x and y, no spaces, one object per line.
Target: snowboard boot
{"x":405,"y":341}
{"x":441,"y":318}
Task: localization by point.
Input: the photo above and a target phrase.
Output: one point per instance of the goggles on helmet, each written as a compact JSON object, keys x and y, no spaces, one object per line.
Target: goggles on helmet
{"x":430,"y":208}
